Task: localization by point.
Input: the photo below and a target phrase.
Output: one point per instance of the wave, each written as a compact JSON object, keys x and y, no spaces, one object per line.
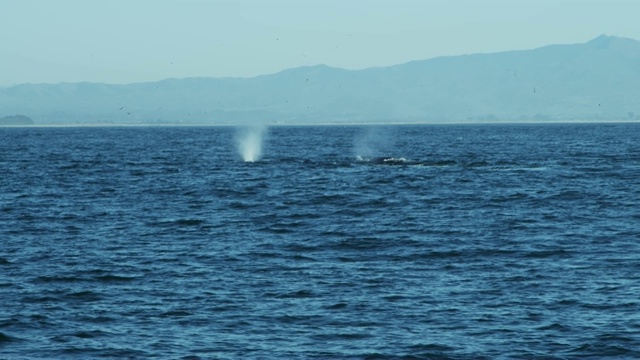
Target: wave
{"x":4,"y":338}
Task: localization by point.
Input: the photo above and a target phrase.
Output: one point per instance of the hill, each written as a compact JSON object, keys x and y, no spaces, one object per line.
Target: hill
{"x":598,"y":80}
{"x":15,"y":120}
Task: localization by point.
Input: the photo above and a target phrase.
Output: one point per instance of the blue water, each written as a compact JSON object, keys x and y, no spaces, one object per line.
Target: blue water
{"x":416,"y":242}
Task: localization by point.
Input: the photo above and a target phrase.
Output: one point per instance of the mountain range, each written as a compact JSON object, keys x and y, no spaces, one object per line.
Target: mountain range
{"x":594,"y":81}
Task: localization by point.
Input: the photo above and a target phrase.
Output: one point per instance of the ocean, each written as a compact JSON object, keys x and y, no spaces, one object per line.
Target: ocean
{"x":496,"y":241}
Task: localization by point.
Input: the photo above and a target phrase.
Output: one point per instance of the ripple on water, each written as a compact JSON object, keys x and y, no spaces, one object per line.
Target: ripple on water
{"x":467,"y":242}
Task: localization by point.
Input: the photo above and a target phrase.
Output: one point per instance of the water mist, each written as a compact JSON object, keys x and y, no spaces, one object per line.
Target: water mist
{"x":249,"y":142}
{"x":373,"y":141}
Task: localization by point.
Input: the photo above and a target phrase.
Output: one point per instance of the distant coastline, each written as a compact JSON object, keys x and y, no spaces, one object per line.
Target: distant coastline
{"x":16,"y":120}
{"x":329,"y":124}
{"x":590,"y":82}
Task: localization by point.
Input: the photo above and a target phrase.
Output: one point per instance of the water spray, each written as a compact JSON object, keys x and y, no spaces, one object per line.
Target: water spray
{"x":249,"y":142}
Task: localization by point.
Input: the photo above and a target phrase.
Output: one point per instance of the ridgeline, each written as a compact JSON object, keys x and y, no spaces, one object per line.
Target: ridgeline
{"x":593,"y":81}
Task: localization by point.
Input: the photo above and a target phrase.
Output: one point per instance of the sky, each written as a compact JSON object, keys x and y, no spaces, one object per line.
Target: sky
{"x":128,"y":41}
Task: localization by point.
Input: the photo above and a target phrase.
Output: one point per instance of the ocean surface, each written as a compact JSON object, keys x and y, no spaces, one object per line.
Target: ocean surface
{"x":389,"y":242}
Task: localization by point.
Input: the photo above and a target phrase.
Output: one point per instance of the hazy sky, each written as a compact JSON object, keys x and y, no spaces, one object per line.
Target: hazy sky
{"x":124,"y":41}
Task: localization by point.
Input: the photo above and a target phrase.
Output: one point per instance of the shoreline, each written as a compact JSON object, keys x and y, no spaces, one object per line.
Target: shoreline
{"x":301,"y":124}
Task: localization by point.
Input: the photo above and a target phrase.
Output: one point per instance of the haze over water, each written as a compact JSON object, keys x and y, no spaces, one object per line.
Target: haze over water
{"x":452,"y":242}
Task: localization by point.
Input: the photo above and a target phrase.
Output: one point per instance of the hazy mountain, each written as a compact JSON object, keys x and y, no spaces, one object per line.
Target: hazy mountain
{"x":19,"y":120}
{"x":597,"y":80}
